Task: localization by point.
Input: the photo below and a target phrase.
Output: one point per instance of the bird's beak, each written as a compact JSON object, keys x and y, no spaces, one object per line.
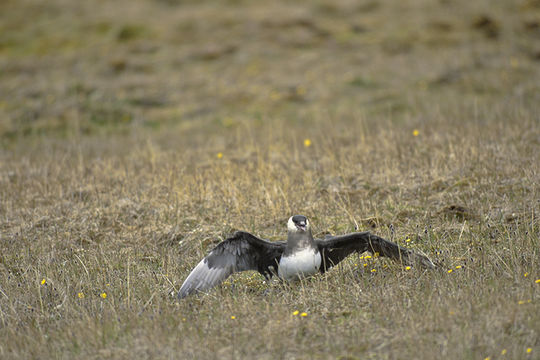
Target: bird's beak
{"x":301,"y":226}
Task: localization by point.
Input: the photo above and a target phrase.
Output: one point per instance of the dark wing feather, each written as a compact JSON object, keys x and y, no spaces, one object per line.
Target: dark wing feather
{"x":336,"y":248}
{"x":243,"y":251}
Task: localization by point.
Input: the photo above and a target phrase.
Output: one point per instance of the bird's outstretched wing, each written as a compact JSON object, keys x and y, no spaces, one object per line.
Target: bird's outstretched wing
{"x":243,"y":251}
{"x":336,"y":248}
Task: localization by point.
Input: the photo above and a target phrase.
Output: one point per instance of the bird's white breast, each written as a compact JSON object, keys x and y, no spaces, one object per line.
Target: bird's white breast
{"x":299,"y":264}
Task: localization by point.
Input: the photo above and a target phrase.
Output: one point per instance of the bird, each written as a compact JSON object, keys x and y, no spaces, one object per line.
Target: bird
{"x":298,"y":257}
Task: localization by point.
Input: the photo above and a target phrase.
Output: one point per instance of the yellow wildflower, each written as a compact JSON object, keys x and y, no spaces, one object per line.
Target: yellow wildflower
{"x":537,"y":281}
{"x":365,"y":265}
{"x":296,"y":312}
{"x":449,"y":271}
{"x":487,"y":358}
{"x":103,"y":295}
{"x":458,"y":267}
{"x":367,"y":257}
{"x":307,"y":143}
{"x":503,"y":352}
{"x":416,"y":132}
{"x":373,"y":270}
{"x":43,"y":281}
{"x":529,"y":350}
{"x":228,"y":121}
{"x":407,"y":240}
{"x":219,"y":155}
{"x":275,"y":95}
{"x":407,"y":268}
{"x":526,"y":274}
{"x":514,"y":62}
{"x":304,"y":314}
{"x":233,"y":317}
{"x":80,"y":295}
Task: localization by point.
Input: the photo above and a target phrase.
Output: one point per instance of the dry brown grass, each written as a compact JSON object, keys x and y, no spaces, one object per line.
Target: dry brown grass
{"x":111,"y":118}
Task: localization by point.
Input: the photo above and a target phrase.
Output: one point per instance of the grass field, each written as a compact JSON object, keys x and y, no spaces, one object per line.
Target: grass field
{"x":136,"y":135}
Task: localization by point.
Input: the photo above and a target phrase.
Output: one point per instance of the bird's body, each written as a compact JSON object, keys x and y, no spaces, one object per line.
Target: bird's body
{"x":300,"y":256}
{"x":300,"y":264}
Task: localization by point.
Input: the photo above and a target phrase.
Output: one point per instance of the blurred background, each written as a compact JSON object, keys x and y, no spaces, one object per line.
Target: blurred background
{"x":199,"y":70}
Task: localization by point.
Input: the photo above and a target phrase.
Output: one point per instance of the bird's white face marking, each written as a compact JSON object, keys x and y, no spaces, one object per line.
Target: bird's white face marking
{"x":293,"y":226}
{"x":290,"y":225}
{"x":302,"y":263}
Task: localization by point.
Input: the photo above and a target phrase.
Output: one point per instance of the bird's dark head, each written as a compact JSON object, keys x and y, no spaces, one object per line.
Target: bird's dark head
{"x":298,"y":223}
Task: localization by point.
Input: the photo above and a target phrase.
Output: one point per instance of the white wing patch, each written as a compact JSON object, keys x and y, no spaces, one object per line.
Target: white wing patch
{"x":303,"y":263}
{"x":203,"y":278}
